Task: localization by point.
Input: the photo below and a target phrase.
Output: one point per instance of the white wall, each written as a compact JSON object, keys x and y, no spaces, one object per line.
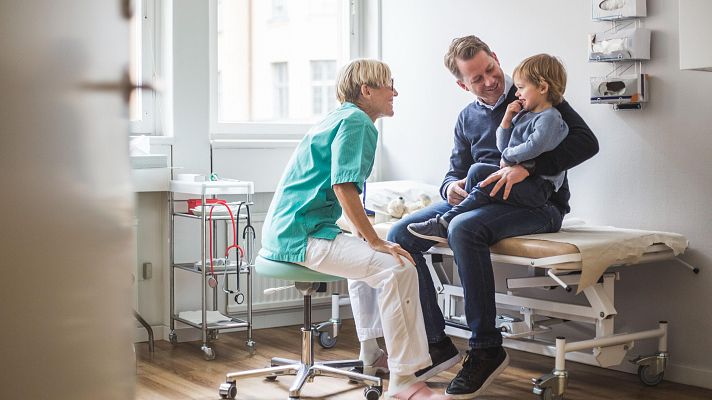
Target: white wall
{"x":652,"y":171}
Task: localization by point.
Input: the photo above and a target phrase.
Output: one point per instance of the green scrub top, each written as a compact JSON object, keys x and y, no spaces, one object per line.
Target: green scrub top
{"x":340,"y":149}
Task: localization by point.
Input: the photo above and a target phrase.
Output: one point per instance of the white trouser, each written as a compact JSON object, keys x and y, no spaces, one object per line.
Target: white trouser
{"x":384,"y":297}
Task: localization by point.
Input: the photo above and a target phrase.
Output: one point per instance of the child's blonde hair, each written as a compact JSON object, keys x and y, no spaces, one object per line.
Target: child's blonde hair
{"x":373,"y":73}
{"x":544,"y":68}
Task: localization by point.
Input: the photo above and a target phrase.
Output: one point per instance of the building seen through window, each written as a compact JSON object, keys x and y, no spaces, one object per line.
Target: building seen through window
{"x":280,"y":82}
{"x":277,"y":60}
{"x":323,"y":86}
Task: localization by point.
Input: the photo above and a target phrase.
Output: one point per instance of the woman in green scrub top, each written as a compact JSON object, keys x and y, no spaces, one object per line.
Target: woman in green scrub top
{"x":322,"y":180}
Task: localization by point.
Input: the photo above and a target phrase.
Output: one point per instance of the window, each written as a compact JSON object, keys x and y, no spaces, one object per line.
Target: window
{"x":280,"y":99}
{"x":322,"y":7}
{"x":279,"y":9}
{"x":323,"y":86}
{"x":143,"y":43}
{"x":276,"y":79}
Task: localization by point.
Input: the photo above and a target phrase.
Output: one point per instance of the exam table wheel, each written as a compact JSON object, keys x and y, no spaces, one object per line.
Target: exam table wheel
{"x":173,"y":338}
{"x":228,"y":390}
{"x":372,"y":392}
{"x":646,"y":375}
{"x":548,"y":394}
{"x":208,"y":353}
{"x":326,"y":340}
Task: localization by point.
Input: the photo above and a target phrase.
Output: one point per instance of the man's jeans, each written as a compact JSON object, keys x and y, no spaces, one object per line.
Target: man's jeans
{"x":469,"y":235}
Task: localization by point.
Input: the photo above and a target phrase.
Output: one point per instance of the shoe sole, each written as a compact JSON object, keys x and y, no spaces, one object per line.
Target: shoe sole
{"x":443,"y":366}
{"x":484,"y":386}
{"x":433,"y":238}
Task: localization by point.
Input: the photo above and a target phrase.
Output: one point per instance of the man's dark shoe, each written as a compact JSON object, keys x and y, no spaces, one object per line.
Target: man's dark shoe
{"x":444,"y":355}
{"x":431,"y":229}
{"x":479,"y":369}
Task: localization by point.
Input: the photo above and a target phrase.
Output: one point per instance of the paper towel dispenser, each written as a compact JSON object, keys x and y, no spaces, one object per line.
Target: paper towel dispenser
{"x":618,"y":9}
{"x":626,"y":89}
{"x":625,"y":44}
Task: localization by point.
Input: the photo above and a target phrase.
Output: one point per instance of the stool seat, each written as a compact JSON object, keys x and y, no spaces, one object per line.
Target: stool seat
{"x":290,"y":271}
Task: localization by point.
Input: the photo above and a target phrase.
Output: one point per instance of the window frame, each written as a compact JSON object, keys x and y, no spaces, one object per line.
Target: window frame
{"x":353,"y":13}
{"x":148,"y":53}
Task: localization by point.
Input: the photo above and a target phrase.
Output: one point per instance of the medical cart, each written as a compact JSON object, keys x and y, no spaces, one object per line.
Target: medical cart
{"x":205,"y":191}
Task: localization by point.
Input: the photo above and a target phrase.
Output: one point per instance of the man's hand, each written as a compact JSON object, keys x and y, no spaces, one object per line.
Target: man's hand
{"x":394,"y":249}
{"x":507,"y":177}
{"x":456,"y":192}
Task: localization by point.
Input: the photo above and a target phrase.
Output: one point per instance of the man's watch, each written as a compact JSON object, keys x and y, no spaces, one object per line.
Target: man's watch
{"x":529,"y":166}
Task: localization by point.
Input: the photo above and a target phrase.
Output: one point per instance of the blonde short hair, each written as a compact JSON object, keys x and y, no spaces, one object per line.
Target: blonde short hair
{"x":464,"y":48}
{"x":360,"y":72}
{"x":544,"y":68}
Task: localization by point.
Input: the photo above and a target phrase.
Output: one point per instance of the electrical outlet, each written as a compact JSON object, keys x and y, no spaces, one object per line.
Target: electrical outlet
{"x":147,"y":270}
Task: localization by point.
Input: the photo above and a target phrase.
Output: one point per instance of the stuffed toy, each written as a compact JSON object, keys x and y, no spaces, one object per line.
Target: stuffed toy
{"x":422,"y":202}
{"x":397,"y":207}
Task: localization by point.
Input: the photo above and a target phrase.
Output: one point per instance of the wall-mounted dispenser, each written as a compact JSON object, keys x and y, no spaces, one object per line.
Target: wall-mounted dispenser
{"x":605,"y":10}
{"x":625,"y":44}
{"x":625,"y":91}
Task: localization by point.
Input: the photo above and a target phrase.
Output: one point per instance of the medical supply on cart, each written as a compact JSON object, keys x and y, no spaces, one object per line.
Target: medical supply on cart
{"x":196,"y":204}
{"x":196,"y":317}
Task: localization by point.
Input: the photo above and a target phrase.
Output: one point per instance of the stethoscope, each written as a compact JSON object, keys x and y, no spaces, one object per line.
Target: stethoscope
{"x":249,"y":229}
{"x":212,"y":281}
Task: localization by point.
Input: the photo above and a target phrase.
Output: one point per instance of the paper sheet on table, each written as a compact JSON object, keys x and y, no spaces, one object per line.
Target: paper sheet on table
{"x":603,"y":246}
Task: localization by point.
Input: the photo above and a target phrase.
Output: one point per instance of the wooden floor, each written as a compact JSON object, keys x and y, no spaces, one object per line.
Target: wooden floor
{"x":180,"y":372}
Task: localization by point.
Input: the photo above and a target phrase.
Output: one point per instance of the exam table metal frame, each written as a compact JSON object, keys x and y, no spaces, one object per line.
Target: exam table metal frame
{"x":608,"y":348}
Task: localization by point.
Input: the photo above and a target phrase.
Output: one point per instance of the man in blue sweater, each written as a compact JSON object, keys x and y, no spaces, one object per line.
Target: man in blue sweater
{"x":478,"y":71}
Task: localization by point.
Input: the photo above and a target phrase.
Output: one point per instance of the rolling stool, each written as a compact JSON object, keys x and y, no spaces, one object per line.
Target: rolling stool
{"x":307,"y":282}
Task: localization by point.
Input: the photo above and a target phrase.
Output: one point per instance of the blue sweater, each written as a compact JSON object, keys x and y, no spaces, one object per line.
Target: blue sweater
{"x":530,"y":135}
{"x":475,"y":141}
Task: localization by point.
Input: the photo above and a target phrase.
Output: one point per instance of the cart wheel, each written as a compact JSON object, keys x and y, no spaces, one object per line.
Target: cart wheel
{"x":372,"y":392}
{"x":326,"y":340}
{"x":646,"y":376}
{"x":173,"y":338}
{"x":548,"y":394}
{"x":228,"y":390}
{"x":251,"y":347}
{"x":208,"y":353}
{"x":213,"y":334}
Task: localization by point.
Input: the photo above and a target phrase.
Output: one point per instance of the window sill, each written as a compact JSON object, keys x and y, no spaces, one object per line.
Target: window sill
{"x":254,"y":143}
{"x":158,"y":139}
